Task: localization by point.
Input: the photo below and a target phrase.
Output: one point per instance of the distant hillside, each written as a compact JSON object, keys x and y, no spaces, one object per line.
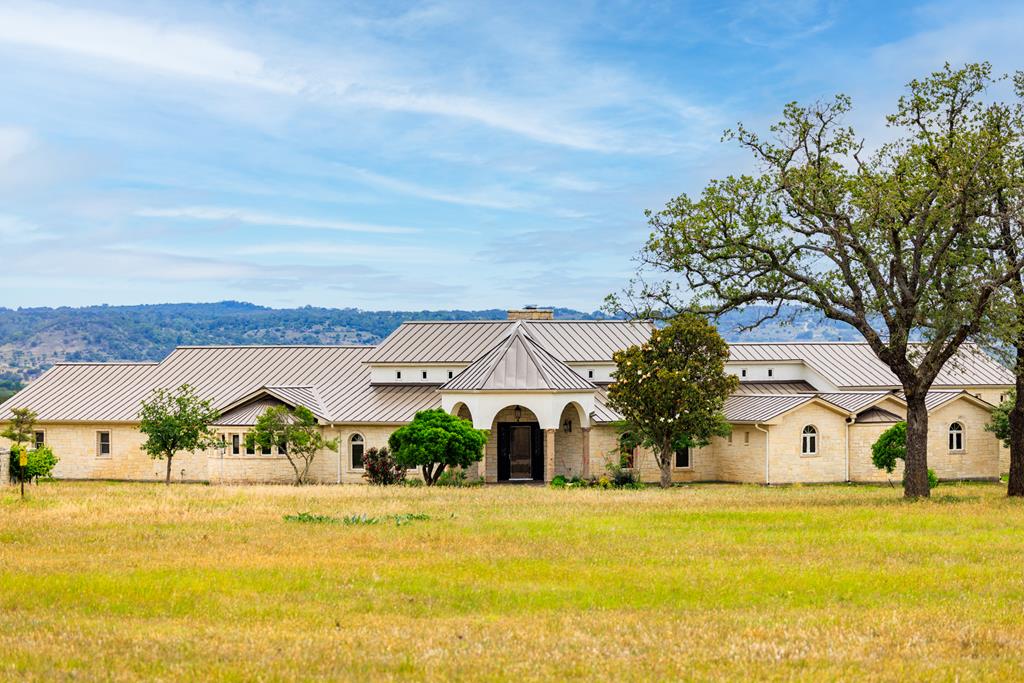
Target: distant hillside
{"x":32,"y":339}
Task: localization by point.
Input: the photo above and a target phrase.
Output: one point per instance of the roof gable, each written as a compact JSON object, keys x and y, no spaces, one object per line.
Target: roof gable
{"x":518,"y":363}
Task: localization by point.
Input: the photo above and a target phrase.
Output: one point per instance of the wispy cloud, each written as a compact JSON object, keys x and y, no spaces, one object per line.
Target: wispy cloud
{"x":233,"y":215}
{"x":490,"y":197}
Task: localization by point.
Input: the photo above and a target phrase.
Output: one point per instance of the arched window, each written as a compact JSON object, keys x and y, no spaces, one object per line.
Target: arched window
{"x":956,"y":437}
{"x":356,"y":445}
{"x":809,"y":441}
{"x":683,"y":458}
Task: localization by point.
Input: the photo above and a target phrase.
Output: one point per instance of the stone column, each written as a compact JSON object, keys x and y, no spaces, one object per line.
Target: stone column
{"x":585,"y":468}
{"x":549,"y":454}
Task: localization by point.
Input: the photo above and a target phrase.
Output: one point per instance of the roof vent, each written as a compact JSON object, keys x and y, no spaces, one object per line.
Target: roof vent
{"x":531,"y":313}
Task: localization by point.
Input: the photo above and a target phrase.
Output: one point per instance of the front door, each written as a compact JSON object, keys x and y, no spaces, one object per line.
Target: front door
{"x":520,"y":451}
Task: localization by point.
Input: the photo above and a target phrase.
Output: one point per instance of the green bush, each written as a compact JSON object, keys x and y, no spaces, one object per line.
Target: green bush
{"x":890,"y":447}
{"x":933,"y":479}
{"x":456,"y":478}
{"x":559,"y":482}
{"x":41,"y":462}
{"x":310,"y":518}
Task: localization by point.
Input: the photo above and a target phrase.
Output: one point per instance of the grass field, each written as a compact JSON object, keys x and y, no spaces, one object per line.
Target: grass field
{"x":140,"y":581}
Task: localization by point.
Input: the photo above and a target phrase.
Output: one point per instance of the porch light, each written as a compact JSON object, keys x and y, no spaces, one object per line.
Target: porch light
{"x":518,"y":412}
{"x":567,"y":426}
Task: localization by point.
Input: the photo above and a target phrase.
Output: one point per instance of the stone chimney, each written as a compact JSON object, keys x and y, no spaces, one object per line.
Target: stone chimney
{"x":531,"y":313}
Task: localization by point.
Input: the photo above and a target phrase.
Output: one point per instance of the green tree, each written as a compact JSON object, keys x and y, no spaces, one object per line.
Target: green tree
{"x":1000,"y":422}
{"x":20,"y":427}
{"x":896,"y":243}
{"x":890,"y":447}
{"x":671,"y":390}
{"x":293,"y":431}
{"x":175,"y":421}
{"x":435,"y":440}
{"x":41,"y":462}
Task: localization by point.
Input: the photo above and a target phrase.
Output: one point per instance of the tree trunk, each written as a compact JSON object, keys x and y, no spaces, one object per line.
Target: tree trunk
{"x":298,"y":475}
{"x":665,"y":465}
{"x":437,"y":473}
{"x":428,"y":474}
{"x":1016,"y":484}
{"x":170,"y":457}
{"x":915,"y":471}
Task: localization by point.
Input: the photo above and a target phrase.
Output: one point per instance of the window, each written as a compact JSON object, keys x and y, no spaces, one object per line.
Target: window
{"x":103,"y":444}
{"x":683,"y":458}
{"x":809,"y":441}
{"x":222,"y":444}
{"x":746,"y":438}
{"x":730,"y":438}
{"x":450,"y":374}
{"x":743,"y":372}
{"x":265,"y":450}
{"x":956,"y":437}
{"x":250,"y":449}
{"x":590,"y":374}
{"x":356,"y":447}
{"x":398,"y":374}
{"x":627,"y":450}
{"x":236,"y":444}
{"x":39,"y":438}
{"x":771,"y":372}
{"x":282,"y":447}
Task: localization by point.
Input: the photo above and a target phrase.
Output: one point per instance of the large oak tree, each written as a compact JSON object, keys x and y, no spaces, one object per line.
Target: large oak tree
{"x":895,"y":242}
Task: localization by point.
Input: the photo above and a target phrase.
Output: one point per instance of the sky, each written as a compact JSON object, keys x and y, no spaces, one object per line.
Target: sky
{"x":408,"y":155}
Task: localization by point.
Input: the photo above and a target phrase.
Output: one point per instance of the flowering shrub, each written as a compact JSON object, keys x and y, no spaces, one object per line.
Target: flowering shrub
{"x":380,"y":467}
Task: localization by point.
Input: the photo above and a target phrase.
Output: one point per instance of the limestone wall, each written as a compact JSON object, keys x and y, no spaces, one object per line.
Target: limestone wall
{"x":787,"y":464}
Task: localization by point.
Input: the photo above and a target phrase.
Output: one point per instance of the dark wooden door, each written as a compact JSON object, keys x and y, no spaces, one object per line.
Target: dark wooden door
{"x":520,"y":451}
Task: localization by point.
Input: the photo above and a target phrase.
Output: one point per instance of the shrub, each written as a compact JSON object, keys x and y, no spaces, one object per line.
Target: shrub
{"x":380,"y":467}
{"x":41,"y":462}
{"x":456,"y":478}
{"x":933,"y":479}
{"x":890,"y":447}
{"x":620,"y":475}
{"x":559,"y":482}
{"x":310,"y":518}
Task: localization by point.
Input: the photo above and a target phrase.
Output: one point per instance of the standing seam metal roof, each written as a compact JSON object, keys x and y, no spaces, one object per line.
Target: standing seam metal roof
{"x":518,"y":363}
{"x":854,"y":364}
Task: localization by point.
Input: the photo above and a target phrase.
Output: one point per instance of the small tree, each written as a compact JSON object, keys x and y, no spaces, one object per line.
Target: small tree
{"x":671,"y":390}
{"x":890,"y":447}
{"x":435,"y":440}
{"x":19,"y":430}
{"x":1000,"y":422}
{"x":41,"y":462}
{"x":176,"y":421}
{"x":380,"y":467}
{"x":296,"y":432}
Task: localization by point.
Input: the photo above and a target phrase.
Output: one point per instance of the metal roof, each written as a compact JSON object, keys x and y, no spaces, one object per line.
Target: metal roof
{"x":521,"y":364}
{"x":246,"y":414}
{"x":112,"y":392}
{"x":797,"y":386}
{"x":762,"y":408}
{"x":569,"y":341}
{"x":876,"y":415}
{"x":856,"y":401}
{"x":854,"y":364}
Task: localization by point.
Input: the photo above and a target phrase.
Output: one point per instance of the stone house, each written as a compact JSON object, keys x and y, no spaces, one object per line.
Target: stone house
{"x":805,"y":412}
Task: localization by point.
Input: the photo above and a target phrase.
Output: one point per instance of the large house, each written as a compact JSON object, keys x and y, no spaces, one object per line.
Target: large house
{"x":804,"y":412}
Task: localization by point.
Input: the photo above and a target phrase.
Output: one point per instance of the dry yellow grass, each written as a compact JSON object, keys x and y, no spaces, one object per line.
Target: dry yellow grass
{"x":137,"y":581}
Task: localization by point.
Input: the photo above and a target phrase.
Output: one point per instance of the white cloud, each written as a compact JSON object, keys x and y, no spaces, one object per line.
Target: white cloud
{"x":13,"y":143}
{"x":187,"y":52}
{"x":561,"y":109}
{"x":233,"y":215}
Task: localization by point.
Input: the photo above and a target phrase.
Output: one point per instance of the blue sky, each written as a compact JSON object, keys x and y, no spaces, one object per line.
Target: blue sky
{"x":406,"y":155}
